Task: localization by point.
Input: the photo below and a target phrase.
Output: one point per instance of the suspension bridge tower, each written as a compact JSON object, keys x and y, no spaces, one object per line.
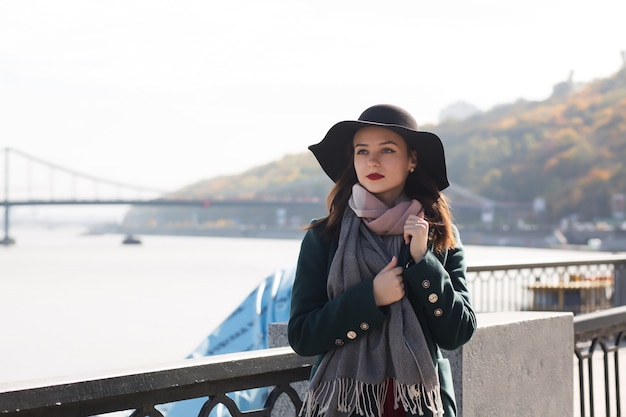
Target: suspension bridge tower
{"x":6,"y":240}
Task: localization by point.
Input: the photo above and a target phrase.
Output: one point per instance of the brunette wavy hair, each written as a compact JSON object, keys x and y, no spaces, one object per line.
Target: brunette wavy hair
{"x":418,"y":186}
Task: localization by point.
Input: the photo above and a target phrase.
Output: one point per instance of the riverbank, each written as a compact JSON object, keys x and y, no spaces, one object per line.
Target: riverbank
{"x":583,"y":240}
{"x":229,"y":232}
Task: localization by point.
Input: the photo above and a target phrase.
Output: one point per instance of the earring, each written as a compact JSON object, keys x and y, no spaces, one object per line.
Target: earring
{"x":412,"y":169}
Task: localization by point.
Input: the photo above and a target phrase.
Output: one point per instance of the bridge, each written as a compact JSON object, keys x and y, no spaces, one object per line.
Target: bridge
{"x":32,"y":181}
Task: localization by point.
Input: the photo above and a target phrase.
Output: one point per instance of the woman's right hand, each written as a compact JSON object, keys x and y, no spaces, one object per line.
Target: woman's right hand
{"x":388,"y":284}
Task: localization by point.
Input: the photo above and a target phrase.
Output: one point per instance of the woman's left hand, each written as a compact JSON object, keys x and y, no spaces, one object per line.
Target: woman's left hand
{"x":416,"y":233}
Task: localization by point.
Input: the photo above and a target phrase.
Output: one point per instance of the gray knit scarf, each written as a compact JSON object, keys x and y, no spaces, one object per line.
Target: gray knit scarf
{"x":353,"y":378}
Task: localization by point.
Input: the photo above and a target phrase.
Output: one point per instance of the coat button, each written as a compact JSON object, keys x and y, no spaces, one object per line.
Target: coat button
{"x":438,"y":312}
{"x":338,"y":342}
{"x":433,"y":298}
{"x":364,"y":326}
{"x":426,"y":283}
{"x":351,"y":335}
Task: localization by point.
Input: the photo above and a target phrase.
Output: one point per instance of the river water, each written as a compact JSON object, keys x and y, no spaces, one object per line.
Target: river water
{"x":73,"y":303}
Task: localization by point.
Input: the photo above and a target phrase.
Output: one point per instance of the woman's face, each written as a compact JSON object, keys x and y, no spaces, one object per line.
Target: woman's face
{"x":382,"y":162}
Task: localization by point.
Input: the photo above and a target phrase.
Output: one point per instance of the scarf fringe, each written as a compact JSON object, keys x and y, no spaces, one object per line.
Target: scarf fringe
{"x":368,"y":399}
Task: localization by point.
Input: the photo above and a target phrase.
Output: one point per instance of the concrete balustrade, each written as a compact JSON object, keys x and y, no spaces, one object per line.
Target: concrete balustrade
{"x":517,"y":364}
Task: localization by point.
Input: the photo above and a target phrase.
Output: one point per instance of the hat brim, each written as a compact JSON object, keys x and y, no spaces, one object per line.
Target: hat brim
{"x":332,"y":152}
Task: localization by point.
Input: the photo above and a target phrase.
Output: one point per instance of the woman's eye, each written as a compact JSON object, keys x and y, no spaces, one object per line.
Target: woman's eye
{"x":361,"y":152}
{"x":388,"y":150}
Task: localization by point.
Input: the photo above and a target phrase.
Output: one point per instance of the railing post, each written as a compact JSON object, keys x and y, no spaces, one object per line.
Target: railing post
{"x":619,"y":284}
{"x":7,"y":239}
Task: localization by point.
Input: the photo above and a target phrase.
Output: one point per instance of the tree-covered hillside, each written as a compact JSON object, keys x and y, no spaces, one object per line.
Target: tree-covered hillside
{"x":568,"y":150}
{"x":292,"y":176}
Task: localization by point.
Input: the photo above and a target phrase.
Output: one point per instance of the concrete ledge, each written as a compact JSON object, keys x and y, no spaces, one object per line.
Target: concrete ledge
{"x":517,"y":364}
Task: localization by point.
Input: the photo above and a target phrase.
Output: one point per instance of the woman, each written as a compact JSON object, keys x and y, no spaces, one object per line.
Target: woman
{"x":380,"y":281}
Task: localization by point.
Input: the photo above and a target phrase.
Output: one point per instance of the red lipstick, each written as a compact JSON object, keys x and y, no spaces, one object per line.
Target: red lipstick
{"x":375,"y":176}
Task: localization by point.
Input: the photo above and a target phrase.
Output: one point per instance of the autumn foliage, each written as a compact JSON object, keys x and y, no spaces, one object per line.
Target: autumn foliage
{"x":569,"y":149}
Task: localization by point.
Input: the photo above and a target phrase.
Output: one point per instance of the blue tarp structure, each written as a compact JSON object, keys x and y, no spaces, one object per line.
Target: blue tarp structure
{"x":245,"y":329}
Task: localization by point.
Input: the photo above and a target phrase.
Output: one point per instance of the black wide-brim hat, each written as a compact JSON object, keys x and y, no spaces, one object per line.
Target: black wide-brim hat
{"x":333,"y":156}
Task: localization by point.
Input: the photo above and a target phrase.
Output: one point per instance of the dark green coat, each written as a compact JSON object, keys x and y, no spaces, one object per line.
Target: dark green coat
{"x":435,"y":286}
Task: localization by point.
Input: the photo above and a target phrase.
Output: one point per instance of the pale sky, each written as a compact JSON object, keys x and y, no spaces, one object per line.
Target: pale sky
{"x":165,"y":93}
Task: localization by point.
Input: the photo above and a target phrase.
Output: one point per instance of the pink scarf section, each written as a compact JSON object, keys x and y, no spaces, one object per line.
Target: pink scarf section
{"x":379,"y":218}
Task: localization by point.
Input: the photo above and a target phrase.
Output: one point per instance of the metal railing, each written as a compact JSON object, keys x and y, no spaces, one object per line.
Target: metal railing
{"x":587,"y":288}
{"x":143,"y":389}
{"x":211,"y":378}
{"x":600,"y":340}
{"x":575,"y":286}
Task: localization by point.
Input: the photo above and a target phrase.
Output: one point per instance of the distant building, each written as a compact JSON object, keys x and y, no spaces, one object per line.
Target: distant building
{"x":458,"y":111}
